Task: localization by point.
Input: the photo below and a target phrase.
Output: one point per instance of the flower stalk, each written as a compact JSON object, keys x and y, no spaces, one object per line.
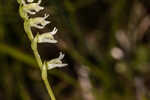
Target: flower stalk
{"x":27,"y":8}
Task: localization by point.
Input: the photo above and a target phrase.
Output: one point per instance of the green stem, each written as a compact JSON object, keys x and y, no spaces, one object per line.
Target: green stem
{"x":27,"y":29}
{"x":49,"y":89}
{"x":42,"y":67}
{"x":36,"y":53}
{"x":45,"y":79}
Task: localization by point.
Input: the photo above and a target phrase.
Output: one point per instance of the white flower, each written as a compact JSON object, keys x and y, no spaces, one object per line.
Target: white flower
{"x":39,"y":22}
{"x":32,"y":8}
{"x":56,"y":62}
{"x":47,"y":37}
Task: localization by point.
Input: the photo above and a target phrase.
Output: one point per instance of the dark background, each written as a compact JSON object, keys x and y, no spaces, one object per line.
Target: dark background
{"x":107,"y":47}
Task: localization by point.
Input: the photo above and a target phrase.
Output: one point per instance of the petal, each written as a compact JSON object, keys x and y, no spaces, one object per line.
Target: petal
{"x":30,"y":0}
{"x":51,"y":66}
{"x":38,"y":26}
{"x":47,"y":41}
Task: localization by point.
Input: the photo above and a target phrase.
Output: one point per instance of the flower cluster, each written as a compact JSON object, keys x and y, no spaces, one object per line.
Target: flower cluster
{"x":40,"y":23}
{"x":27,"y":8}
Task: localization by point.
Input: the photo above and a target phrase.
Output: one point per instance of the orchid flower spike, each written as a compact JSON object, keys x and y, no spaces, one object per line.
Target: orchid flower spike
{"x":32,"y":8}
{"x":47,"y":37}
{"x":27,"y":8}
{"x":56,"y":62}
{"x":34,"y":22}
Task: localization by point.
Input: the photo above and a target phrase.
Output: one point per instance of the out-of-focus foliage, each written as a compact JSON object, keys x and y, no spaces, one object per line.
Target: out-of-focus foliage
{"x":106,"y":43}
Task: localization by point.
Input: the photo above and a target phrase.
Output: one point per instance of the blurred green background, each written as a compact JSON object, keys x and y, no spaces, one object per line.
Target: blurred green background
{"x":106,"y":42}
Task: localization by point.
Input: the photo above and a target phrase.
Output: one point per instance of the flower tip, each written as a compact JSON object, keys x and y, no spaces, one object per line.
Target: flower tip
{"x":61,"y":56}
{"x":54,"y":31}
{"x":47,"y":22}
{"x":39,"y":2}
{"x":46,"y":16}
{"x":42,"y":8}
{"x":64,"y":65}
{"x":44,"y":23}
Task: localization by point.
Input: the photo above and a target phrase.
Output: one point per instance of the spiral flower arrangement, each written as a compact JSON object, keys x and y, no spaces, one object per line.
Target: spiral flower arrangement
{"x":27,"y":8}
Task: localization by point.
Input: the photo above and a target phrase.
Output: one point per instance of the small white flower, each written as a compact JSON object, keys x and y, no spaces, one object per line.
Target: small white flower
{"x":56,"y":62}
{"x":39,"y":22}
{"x":47,"y":37}
{"x":32,"y":8}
